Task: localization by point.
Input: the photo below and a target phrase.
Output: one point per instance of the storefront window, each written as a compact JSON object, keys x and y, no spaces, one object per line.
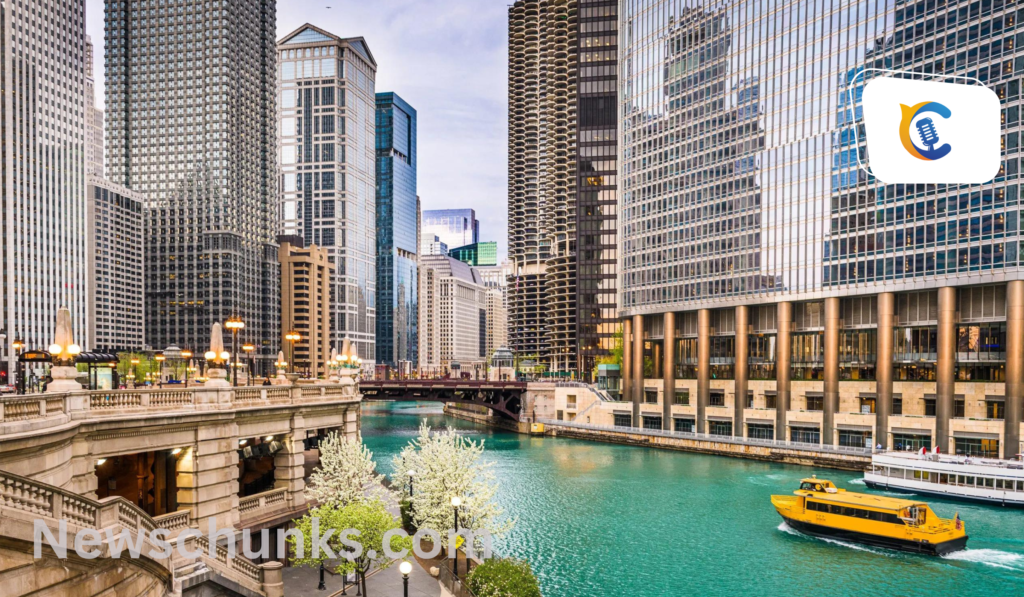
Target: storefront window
{"x":807,"y":354}
{"x":857,"y":354}
{"x":761,"y":357}
{"x":914,"y":353}
{"x":686,"y":358}
{"x":981,"y":352}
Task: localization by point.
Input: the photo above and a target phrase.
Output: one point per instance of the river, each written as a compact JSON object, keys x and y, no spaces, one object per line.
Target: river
{"x":603,"y":519}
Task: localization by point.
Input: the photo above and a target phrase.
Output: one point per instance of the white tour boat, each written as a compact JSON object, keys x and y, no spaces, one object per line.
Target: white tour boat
{"x":959,"y":477}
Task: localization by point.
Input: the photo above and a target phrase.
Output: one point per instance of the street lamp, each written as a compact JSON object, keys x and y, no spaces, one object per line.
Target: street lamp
{"x":411,"y":475}
{"x":160,"y":358}
{"x":292,"y":337}
{"x":234,"y":324}
{"x":323,"y":585}
{"x":18,"y":345}
{"x":456,"y":502}
{"x":405,"y":568}
{"x":186,"y":355}
{"x":248,"y":347}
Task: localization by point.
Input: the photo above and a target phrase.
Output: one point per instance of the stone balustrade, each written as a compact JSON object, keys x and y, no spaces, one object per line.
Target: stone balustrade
{"x":260,"y":503}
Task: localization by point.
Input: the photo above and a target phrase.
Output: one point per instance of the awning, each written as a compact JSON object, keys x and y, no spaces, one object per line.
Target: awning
{"x":650,"y":416}
{"x":771,"y":392}
{"x":683,"y":417}
{"x":96,"y":358}
{"x":806,"y":424}
{"x":994,"y":398}
{"x":909,"y":431}
{"x":759,"y":422}
{"x":855,"y":427}
{"x":815,"y":394}
{"x":869,"y":395}
{"x":975,"y":435}
{"x":721,"y":419}
{"x":622,"y":412}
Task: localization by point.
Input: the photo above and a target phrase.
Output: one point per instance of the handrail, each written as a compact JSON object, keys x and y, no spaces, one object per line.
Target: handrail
{"x":455,"y":585}
{"x":727,"y":439}
{"x":260,"y":501}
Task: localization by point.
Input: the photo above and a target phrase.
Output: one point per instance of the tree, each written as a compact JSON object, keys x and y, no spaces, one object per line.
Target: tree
{"x":347,"y":474}
{"x":614,"y":356}
{"x":372,"y":521}
{"x":503,"y":577}
{"x":449,"y":465}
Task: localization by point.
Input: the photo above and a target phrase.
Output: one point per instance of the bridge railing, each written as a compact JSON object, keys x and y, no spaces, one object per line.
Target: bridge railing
{"x":725,"y":439}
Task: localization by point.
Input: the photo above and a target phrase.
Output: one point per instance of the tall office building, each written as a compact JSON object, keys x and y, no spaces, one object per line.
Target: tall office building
{"x":562,"y":180}
{"x":42,"y":170}
{"x":430,"y":244}
{"x":455,"y":227}
{"x":115,"y":249}
{"x":397,"y":225}
{"x":328,"y":163}
{"x":305,"y":303}
{"x":453,"y":305}
{"x":190,"y":106}
{"x":93,"y":118}
{"x":778,"y":290}
{"x":477,"y":254}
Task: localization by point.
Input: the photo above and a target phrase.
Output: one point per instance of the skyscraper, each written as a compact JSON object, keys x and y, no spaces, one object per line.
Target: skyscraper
{"x":93,"y":118}
{"x":397,"y":225}
{"x":190,"y":106}
{"x":477,"y":254}
{"x":42,"y":170}
{"x":455,"y":227}
{"x":562,"y":180}
{"x":328,"y":162}
{"x":765,"y":275}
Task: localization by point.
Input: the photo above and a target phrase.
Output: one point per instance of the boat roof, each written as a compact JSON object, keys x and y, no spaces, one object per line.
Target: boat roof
{"x":862,"y":499}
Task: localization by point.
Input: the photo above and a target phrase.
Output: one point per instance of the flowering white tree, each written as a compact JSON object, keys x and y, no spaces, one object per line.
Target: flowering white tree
{"x":347,"y":474}
{"x":448,"y":465}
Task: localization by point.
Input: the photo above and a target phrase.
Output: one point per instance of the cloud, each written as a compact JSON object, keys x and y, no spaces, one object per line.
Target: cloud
{"x":448,"y":58}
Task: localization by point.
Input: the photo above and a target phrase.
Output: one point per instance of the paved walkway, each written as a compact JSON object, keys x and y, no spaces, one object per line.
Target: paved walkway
{"x":301,"y":581}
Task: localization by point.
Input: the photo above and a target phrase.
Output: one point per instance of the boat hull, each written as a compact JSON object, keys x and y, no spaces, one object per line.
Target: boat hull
{"x":943,"y":494}
{"x":935,"y":549}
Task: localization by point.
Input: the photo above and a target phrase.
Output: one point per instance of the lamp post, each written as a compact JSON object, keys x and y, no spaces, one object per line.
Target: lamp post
{"x":411,"y":475}
{"x":18,"y":345}
{"x":292,"y":337}
{"x":456,"y":502}
{"x":234,"y":324}
{"x":247,"y":348}
{"x":186,"y":355}
{"x":135,"y":370}
{"x":323,"y":585}
{"x":405,"y":568}
{"x":160,"y":358}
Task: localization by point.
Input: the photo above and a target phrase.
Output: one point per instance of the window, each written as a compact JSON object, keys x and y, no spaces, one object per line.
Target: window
{"x":760,"y":431}
{"x":855,"y":439}
{"x":970,"y":446}
{"x":651,"y":396}
{"x":867,"y":404}
{"x":815,"y":402}
{"x":623,"y":420}
{"x":750,"y":399}
{"x":570,"y":401}
{"x":897,"y":405}
{"x":959,"y":408}
{"x":717,"y":398}
{"x":651,"y":422}
{"x":720,"y":427}
{"x":805,"y":435}
{"x":929,"y":407}
{"x":684,"y":425}
{"x":770,"y":400}
{"x":995,"y":409}
{"x":682,"y":397}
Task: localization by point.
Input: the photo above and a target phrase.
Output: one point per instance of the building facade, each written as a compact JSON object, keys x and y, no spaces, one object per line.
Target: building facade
{"x":477,"y":254}
{"x":115,"y":226}
{"x":93,"y":118}
{"x":770,"y":288}
{"x":455,"y":227}
{"x":496,"y":277}
{"x":397,"y":236}
{"x":42,"y":171}
{"x":563,"y":180}
{"x":497,"y":321}
{"x":328,"y":161}
{"x":306,"y":274}
{"x":453,"y":317}
{"x":191,"y":127}
{"x":430,"y":244}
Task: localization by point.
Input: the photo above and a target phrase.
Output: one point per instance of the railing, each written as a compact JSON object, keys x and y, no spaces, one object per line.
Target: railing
{"x":725,"y":439}
{"x":238,"y":563}
{"x":249,"y":395}
{"x":261,"y":501}
{"x":174,"y":521}
{"x":452,"y":583}
{"x":36,"y":406}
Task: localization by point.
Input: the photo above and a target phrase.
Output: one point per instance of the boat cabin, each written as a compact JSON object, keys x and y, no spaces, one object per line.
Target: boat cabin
{"x":818,"y":485}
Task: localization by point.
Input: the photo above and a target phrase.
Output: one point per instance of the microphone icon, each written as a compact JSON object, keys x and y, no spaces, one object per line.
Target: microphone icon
{"x":926,"y":128}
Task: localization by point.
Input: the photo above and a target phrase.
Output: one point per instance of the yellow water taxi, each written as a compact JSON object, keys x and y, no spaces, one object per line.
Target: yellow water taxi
{"x":821,"y":509}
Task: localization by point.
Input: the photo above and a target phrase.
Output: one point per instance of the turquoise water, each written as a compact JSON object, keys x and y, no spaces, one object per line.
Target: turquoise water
{"x":601,"y":519}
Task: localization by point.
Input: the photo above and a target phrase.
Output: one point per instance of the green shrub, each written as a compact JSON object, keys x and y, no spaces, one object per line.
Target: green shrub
{"x":405,"y":507}
{"x":504,"y":577}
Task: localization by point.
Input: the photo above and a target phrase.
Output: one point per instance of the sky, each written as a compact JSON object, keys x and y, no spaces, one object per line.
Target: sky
{"x":448,"y":59}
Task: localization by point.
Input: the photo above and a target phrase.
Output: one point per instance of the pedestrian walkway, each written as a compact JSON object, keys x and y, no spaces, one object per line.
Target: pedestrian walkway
{"x":301,"y":581}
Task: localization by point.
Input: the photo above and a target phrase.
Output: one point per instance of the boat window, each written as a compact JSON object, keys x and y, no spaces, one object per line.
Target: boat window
{"x":807,"y":486}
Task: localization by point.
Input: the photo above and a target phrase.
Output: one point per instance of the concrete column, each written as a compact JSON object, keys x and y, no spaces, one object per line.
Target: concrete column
{"x":289,"y":464}
{"x":638,"y":367}
{"x":669,"y":371}
{"x":784,"y":321}
{"x":742,"y":371}
{"x":945,"y":366}
{"x":1014,"y":367}
{"x":208,"y":476}
{"x":703,"y":368}
{"x":831,"y":399}
{"x":883,"y":368}
{"x":626,"y":375}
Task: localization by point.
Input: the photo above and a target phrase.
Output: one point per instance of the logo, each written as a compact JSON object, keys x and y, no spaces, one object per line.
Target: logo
{"x":930,"y":132}
{"x":925,"y":128}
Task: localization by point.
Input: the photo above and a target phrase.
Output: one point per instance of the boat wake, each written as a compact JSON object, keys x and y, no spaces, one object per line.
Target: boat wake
{"x":856,"y":481}
{"x":989,"y":557}
{"x":785,"y":528}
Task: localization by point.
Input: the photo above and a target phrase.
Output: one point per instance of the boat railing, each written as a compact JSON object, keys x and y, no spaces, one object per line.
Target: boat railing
{"x":729,"y":439}
{"x":953,"y":459}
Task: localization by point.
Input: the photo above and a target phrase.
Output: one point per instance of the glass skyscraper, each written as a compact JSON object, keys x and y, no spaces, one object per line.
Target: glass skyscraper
{"x":328,"y":169}
{"x":397,"y":238}
{"x":765,"y":274}
{"x":190,"y":126}
{"x":455,"y":227}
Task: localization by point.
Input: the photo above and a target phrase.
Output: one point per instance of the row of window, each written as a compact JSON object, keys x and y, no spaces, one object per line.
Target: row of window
{"x":852,"y":512}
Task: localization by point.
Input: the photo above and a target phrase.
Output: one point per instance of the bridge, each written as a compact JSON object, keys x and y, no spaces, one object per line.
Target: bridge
{"x":502,"y":397}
